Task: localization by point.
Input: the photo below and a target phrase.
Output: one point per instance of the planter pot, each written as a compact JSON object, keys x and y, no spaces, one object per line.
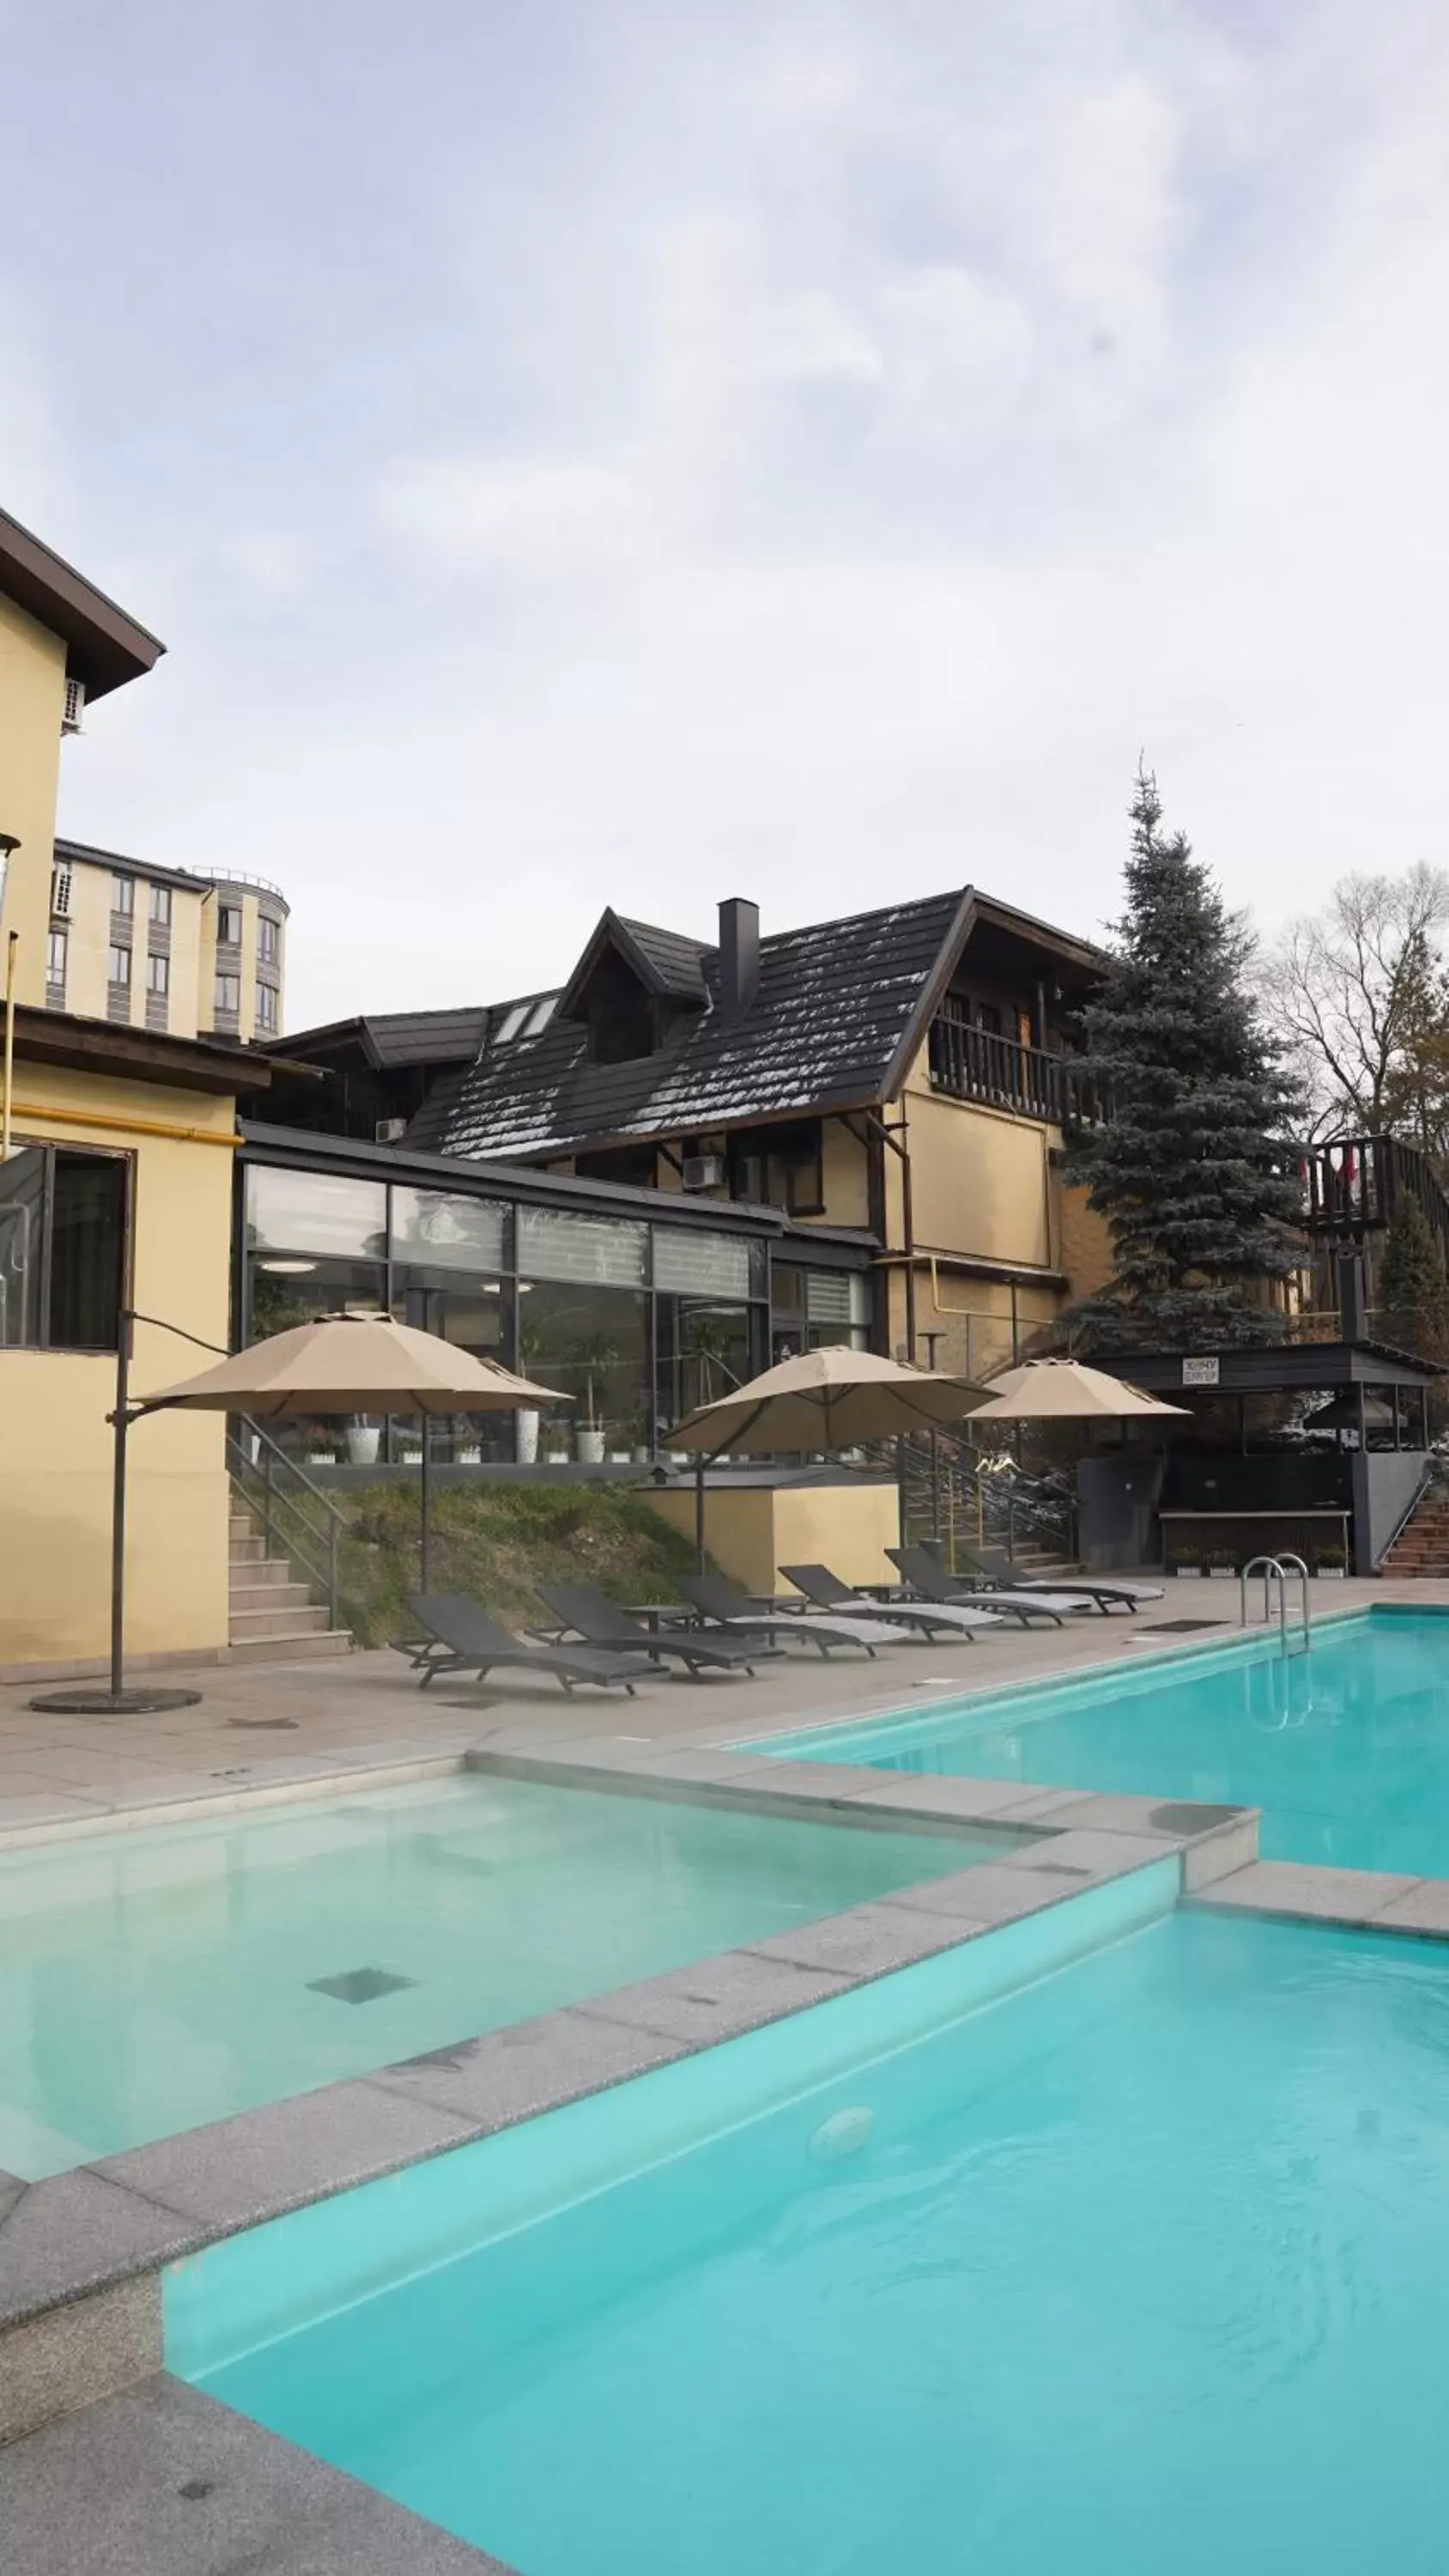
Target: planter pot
{"x":1187,"y":1573}
{"x":643,"y":1455}
{"x":555,"y":1457}
{"x":471,"y":1457}
{"x":590,"y":1445}
{"x":1222,"y":1574}
{"x":412,"y":1458}
{"x":618,"y":1457}
{"x":363,"y":1442}
{"x":1329,"y":1573}
{"x":321,"y":1458}
{"x":527,"y":1421}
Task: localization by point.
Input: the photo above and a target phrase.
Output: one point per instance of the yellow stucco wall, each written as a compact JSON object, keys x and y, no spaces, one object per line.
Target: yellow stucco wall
{"x":55,"y":1444}
{"x":88,"y":939}
{"x":751,"y":1531}
{"x":32,"y":697}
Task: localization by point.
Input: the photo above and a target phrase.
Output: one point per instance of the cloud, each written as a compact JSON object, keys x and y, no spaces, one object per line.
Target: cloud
{"x":803,"y":452}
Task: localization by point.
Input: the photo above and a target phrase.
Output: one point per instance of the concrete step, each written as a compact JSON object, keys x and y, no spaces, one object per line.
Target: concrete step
{"x":246,"y":1551}
{"x":277,"y":1598}
{"x":300,"y":1645}
{"x":300,"y":1618}
{"x":247,"y":1572}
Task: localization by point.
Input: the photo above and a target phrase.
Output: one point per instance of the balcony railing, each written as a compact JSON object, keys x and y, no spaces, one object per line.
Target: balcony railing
{"x":1353,"y":1185}
{"x":977,"y":1064}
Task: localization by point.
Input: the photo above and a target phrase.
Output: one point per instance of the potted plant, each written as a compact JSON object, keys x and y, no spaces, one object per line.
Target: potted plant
{"x":527,"y":1418}
{"x":363,"y":1441}
{"x":1330,"y":1561}
{"x":596,"y":1354}
{"x":1183,"y":1558}
{"x":1222,"y":1564}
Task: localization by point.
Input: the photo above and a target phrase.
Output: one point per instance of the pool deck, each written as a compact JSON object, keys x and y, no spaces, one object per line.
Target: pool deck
{"x":106,"y":2464}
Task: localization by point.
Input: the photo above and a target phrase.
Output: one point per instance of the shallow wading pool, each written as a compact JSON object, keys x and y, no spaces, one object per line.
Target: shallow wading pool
{"x":1013,"y":2260}
{"x":156,"y":1980}
{"x":1345,"y":1749}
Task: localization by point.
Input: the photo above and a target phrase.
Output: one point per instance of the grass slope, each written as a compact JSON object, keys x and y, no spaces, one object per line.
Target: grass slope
{"x":497,"y":1542}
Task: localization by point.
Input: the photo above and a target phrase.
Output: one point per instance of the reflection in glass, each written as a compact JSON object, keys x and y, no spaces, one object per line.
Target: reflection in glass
{"x":471,"y":1314}
{"x":315,"y":1212}
{"x":704,"y":1353}
{"x":450,"y":1232}
{"x":592,"y":1343}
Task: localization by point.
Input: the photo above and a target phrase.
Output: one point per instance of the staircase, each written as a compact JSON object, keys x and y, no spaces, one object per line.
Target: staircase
{"x":1420,"y":1553}
{"x":274,"y":1617}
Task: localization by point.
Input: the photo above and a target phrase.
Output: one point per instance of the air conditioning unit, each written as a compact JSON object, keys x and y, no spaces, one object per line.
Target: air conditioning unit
{"x":388,"y":1131}
{"x":61,"y":887}
{"x":703,"y":1171}
{"x":74,"y":707}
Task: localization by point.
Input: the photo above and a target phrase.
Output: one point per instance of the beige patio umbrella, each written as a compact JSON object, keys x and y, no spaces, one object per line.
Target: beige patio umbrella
{"x":340,"y":1364}
{"x":826,"y":1399}
{"x":1065,"y":1390}
{"x":355,"y":1364}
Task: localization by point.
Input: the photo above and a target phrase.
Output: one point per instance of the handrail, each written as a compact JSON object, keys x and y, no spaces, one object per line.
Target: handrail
{"x":1275,"y":1569}
{"x":1427,"y":1479}
{"x":323,"y":1534}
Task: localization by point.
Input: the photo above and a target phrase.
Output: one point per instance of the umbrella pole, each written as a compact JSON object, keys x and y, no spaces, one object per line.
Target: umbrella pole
{"x":699,"y":1510}
{"x":121,"y":1419}
{"x":425,"y":1511}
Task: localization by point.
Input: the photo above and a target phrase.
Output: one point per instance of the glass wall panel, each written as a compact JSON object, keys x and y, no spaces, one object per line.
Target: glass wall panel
{"x":448,"y":1231}
{"x":556,"y":1245}
{"x":316,"y":1212}
{"x":703,"y":1352}
{"x":473,"y":1314}
{"x":696,"y":1264}
{"x":592,"y":1343}
{"x":87,"y":1250}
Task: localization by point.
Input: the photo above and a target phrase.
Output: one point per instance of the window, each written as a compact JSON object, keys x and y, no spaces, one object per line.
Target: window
{"x":552,"y":1245}
{"x":317,"y":1212}
{"x":118,"y":965}
{"x":62,"y":1248}
{"x":511,"y":1023}
{"x":123,"y":895}
{"x":161,"y":906}
{"x":703,"y":1264}
{"x":541,"y":1014}
{"x":56,"y":946}
{"x":267,"y":1009}
{"x":227,"y":997}
{"x":158,"y":975}
{"x":448,"y":1231}
{"x":228,"y":925}
{"x":269,"y":940}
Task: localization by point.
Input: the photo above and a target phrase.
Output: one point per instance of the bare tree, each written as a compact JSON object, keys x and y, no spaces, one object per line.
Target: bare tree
{"x":1359,"y":995}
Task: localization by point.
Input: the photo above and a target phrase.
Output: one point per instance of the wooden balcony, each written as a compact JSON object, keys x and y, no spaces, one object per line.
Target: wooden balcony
{"x":976,"y":1064}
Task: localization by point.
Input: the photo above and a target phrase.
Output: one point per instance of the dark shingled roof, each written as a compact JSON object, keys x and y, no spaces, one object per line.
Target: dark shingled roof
{"x":676,"y":962}
{"x":396,"y":1037}
{"x":834,"y":1003}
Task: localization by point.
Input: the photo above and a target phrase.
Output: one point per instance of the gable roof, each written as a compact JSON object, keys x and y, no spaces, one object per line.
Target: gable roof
{"x":104,"y":646}
{"x":836,"y":1005}
{"x":666,"y":963}
{"x":387,"y":1038}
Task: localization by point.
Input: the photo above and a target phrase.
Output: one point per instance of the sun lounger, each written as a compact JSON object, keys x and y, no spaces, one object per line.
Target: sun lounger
{"x":929,"y":1619}
{"x":724,"y":1602}
{"x":462,"y":1637}
{"x":995,"y":1568}
{"x":600,"y":1622}
{"x":926,"y":1576}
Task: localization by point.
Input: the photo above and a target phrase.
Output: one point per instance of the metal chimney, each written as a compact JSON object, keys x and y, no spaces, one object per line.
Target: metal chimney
{"x":1351,"y":1299}
{"x":739,"y":955}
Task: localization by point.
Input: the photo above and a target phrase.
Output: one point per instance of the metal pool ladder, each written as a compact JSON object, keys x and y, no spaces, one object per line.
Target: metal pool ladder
{"x":1276,"y":1570}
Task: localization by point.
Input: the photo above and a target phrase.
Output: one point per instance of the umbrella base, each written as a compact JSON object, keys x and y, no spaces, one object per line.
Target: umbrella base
{"x":109,"y":1703}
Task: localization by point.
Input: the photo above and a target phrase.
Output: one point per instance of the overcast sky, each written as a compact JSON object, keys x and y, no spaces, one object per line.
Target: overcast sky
{"x":638,"y":451}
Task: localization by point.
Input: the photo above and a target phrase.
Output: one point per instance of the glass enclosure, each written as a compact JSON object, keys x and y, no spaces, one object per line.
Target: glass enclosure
{"x":634,"y":1323}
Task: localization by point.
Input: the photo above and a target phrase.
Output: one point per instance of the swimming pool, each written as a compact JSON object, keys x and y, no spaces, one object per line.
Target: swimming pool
{"x":1145,"y":2264}
{"x":1346,"y":1749}
{"x":155,"y":1980}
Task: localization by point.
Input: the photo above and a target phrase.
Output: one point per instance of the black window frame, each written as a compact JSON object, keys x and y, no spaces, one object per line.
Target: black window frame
{"x":50,"y":1148}
{"x":159,"y":906}
{"x":229,"y":910}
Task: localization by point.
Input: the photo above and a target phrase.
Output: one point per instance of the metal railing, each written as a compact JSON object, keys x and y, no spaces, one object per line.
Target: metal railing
{"x":295,"y":1515}
{"x":977,"y":1064}
{"x":951,"y":1493}
{"x":1276,"y":1570}
{"x":1352,"y":1186}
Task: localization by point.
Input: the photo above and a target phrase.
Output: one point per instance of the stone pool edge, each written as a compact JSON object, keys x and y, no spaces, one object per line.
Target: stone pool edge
{"x":81,"y":2253}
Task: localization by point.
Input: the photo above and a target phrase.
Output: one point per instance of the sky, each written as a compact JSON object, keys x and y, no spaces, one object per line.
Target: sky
{"x":644,"y":451}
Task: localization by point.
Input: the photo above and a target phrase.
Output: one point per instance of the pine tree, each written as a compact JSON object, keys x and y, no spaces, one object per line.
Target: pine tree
{"x":1190,"y":1168}
{"x":1412,"y":1305}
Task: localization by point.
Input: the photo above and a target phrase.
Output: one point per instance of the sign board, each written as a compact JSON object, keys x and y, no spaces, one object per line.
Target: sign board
{"x":1200,"y":1372}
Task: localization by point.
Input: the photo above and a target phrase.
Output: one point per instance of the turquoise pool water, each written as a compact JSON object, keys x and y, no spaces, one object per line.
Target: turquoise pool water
{"x":1145,"y":2266}
{"x":155,"y":1980}
{"x":1346,"y":1749}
